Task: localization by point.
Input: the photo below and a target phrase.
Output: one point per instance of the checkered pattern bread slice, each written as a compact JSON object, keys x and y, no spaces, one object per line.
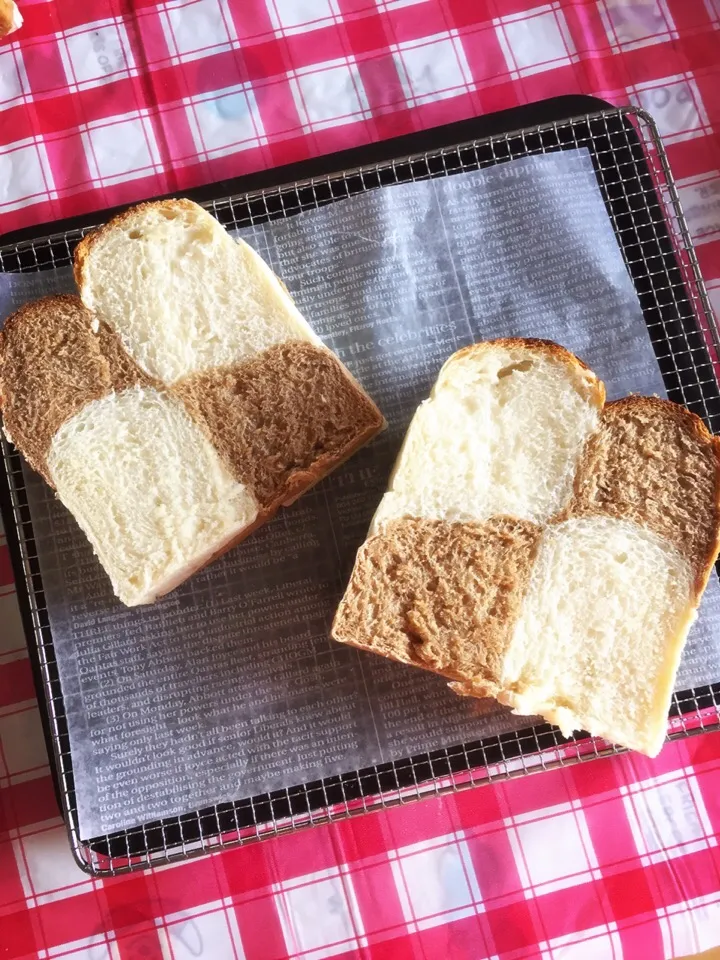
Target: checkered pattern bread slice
{"x":188,"y":358}
{"x":147,"y":487}
{"x":588,"y":630}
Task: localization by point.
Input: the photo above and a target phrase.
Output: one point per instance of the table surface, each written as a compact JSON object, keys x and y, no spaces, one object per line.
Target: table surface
{"x":103,"y":103}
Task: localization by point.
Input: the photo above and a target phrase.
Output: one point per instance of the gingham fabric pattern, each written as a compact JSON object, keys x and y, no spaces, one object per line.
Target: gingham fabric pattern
{"x":609,"y":859}
{"x":102,"y":103}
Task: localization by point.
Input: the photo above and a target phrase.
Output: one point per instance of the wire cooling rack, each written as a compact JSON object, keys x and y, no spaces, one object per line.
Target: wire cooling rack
{"x":642,"y":202}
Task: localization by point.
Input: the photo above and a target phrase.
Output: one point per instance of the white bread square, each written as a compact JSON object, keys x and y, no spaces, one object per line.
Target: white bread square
{"x":598,"y":641}
{"x":181,"y":293}
{"x":148,"y":490}
{"x":500,"y":434}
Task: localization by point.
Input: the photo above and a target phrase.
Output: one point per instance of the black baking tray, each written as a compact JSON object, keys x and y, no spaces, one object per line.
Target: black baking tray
{"x":642,"y":203}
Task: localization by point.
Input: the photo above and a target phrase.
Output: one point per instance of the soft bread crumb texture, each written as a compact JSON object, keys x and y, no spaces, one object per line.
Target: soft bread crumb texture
{"x":439,"y":594}
{"x":182,"y":294}
{"x":51,"y":364}
{"x":500,"y":435}
{"x":148,"y":490}
{"x":654,"y":462}
{"x":283,"y":419}
{"x":600,"y":631}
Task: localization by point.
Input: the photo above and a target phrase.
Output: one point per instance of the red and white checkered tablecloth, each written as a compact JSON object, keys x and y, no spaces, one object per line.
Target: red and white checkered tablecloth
{"x":102,"y":103}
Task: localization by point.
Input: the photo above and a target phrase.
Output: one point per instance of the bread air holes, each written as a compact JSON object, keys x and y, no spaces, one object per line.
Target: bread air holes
{"x":136,"y":234}
{"x":521,"y":367}
{"x":200,"y":234}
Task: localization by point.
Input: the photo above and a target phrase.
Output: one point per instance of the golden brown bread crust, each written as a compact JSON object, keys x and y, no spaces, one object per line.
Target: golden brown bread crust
{"x":8,"y":15}
{"x":439,"y":595}
{"x":548,"y":347}
{"x":82,"y":251}
{"x":645,"y":450}
{"x":51,"y":365}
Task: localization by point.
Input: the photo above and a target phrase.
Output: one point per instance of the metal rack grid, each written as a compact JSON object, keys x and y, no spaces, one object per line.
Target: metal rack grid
{"x":642,"y":202}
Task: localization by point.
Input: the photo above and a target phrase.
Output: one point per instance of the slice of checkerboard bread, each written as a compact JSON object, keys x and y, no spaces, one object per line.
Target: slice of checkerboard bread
{"x":147,"y":487}
{"x":183,"y":405}
{"x":204,"y":314}
{"x":541,"y":547}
